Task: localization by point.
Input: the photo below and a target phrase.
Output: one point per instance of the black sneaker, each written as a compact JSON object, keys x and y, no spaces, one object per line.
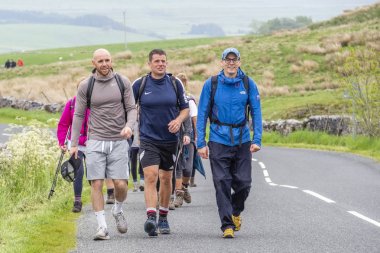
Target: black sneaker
{"x":150,"y":226}
{"x":77,"y":207}
{"x":110,"y":199}
{"x":163,"y":225}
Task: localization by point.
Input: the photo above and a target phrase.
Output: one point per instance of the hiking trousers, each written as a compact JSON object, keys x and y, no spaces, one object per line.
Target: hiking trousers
{"x":231,"y":169}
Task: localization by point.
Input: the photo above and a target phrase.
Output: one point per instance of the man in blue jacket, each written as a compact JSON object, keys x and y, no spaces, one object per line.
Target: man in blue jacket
{"x":224,"y":100}
{"x":163,"y":107}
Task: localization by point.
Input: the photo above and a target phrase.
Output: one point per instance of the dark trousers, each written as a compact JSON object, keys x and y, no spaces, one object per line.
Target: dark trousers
{"x":78,"y":176}
{"x":231,"y":169}
{"x":134,"y":152}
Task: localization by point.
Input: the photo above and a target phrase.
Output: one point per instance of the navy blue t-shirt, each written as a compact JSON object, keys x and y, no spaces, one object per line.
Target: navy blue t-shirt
{"x":158,"y":106}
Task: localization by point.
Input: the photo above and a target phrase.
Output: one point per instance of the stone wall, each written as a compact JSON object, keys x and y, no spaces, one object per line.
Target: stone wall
{"x":331,"y":124}
{"x":29,"y":105}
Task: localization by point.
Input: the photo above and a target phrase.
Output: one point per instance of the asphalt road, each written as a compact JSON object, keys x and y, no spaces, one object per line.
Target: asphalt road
{"x":301,"y":201}
{"x":5,"y":133}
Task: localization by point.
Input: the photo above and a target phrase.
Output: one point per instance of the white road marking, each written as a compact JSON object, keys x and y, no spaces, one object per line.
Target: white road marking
{"x":269,"y":181}
{"x":319,"y":196}
{"x":289,"y":186}
{"x":361,"y":216}
{"x":262,"y":165}
{"x":253,"y":159}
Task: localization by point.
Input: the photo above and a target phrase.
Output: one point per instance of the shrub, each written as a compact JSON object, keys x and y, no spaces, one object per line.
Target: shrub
{"x":27,"y":164}
{"x":360,"y":78}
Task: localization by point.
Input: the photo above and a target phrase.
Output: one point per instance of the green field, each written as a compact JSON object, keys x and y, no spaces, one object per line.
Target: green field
{"x":297,"y":73}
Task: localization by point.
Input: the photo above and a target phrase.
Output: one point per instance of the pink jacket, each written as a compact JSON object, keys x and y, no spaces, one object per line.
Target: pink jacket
{"x":67,"y":119}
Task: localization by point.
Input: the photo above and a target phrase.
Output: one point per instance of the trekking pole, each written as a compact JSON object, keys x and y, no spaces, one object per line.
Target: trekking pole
{"x":56,"y":175}
{"x":58,"y":167}
{"x":179,"y":150}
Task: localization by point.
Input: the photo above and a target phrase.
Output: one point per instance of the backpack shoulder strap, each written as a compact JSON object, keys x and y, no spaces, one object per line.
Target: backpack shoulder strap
{"x":214,"y":86}
{"x":246,"y":87}
{"x":141,"y":88}
{"x":120,"y":83}
{"x":72,"y":104}
{"x":246,"y":84}
{"x":90,"y":88}
{"x":174,"y":82}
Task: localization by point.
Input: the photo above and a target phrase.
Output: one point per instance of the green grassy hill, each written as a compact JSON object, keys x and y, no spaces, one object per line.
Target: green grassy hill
{"x":297,"y":71}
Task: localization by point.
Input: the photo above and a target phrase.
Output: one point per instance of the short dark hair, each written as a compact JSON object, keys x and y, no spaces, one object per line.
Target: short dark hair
{"x":156,"y":51}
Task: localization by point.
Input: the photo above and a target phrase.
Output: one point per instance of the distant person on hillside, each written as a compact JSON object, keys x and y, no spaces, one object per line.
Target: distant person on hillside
{"x":113,"y":116}
{"x":7,"y":64}
{"x":224,"y":100}
{"x":13,"y":64}
{"x":20,"y":62}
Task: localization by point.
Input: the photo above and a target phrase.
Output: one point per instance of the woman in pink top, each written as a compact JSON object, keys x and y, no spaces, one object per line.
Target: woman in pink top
{"x":64,"y":126}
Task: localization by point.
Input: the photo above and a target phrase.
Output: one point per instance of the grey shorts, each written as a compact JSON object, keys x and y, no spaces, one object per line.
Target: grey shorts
{"x":107,"y":159}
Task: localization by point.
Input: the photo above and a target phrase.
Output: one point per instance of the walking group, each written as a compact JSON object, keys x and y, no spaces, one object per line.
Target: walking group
{"x":153,"y":124}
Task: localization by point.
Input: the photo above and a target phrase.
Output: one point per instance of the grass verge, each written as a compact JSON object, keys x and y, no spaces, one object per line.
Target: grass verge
{"x":22,"y":117}
{"x":360,"y":145}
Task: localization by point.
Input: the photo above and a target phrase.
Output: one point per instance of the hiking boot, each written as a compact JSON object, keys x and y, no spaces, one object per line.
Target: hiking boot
{"x":135,"y":187}
{"x":163,"y":225}
{"x":171,"y":203}
{"x":150,"y":226}
{"x":186,"y":195}
{"x":101,"y":234}
{"x":110,"y":199}
{"x":77,"y":207}
{"x":121,"y":222}
{"x":178,"y":202}
{"x":228,"y":233}
{"x":192,"y":184}
{"x":237,"y":222}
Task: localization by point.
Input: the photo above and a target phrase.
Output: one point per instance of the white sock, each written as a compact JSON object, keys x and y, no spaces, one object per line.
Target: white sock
{"x":142,"y":182}
{"x":118,"y":207}
{"x":100,"y":217}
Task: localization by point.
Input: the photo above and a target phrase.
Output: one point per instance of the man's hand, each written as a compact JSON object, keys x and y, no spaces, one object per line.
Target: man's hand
{"x":203,"y":152}
{"x":74,"y":151}
{"x":254,"y":148}
{"x":174,"y":125}
{"x":63,"y":147}
{"x":126,"y":132}
{"x":186,"y":140}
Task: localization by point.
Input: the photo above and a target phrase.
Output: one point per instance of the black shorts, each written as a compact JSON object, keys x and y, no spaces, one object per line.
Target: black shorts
{"x":155,"y":153}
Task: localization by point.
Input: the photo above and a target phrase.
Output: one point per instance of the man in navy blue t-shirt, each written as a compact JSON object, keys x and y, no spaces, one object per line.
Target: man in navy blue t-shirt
{"x":162,"y":107}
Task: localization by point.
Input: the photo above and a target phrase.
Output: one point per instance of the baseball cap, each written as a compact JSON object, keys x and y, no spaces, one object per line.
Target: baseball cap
{"x":230,"y":50}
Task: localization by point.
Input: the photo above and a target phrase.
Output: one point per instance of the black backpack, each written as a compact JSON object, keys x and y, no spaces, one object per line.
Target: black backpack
{"x":143,"y":83}
{"x":214,"y":86}
{"x":90,"y":88}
